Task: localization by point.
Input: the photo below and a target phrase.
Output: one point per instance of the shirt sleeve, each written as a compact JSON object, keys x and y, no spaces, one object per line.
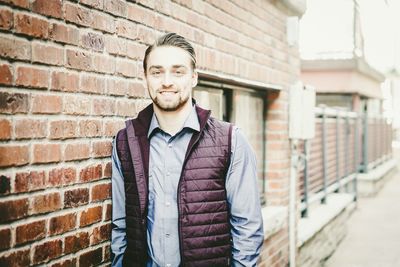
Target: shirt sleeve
{"x":118,"y":232}
{"x":244,"y":202}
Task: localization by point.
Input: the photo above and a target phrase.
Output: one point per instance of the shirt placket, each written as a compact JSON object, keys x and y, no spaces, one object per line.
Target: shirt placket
{"x":167,"y":192}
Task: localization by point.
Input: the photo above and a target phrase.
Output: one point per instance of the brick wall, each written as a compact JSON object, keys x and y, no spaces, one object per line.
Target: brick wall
{"x":70,"y":74}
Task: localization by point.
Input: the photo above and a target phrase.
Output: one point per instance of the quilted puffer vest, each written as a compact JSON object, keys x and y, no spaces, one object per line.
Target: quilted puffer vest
{"x":204,"y":229}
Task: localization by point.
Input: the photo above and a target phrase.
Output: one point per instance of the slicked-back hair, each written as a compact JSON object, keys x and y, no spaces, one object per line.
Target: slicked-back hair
{"x":171,"y":39}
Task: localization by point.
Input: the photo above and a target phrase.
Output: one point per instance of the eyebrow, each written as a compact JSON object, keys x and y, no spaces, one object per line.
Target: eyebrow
{"x":161,"y":67}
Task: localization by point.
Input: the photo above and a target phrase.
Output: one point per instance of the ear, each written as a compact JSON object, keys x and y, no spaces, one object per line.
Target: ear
{"x":194,"y":78}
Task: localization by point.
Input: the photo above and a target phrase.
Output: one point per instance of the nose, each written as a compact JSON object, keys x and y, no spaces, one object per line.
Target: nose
{"x":167,"y":81}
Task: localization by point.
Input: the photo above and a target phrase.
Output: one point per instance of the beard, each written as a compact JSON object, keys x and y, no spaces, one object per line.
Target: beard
{"x":170,"y":105}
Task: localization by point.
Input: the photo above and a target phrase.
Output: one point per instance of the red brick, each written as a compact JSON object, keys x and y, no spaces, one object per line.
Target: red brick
{"x":5,"y":186}
{"x":126,"y":108}
{"x":6,"y":19}
{"x":31,"y":26}
{"x":47,"y":251}
{"x":64,"y":81}
{"x":77,"y":105}
{"x":141,"y":15}
{"x":146,"y":35}
{"x":63,"y":129}
{"x":90,"y":128}
{"x":5,"y":239}
{"x":104,"y":107}
{"x":46,"y":203}
{"x":52,"y":8}
{"x":91,"y":173}
{"x":14,"y":155}
{"x":64,"y":33}
{"x":92,"y":84}
{"x":101,"y":233}
{"x":29,"y":181}
{"x":78,"y":60}
{"x":76,"y":242}
{"x":46,"y":104}
{"x":126,"y":68}
{"x":30,"y":128}
{"x":91,"y":216}
{"x":104,"y":64}
{"x":11,"y":103}
{"x":107,"y":253}
{"x":101,"y":192}
{"x":6,"y":76}
{"x":115,"y":45}
{"x":30,"y":232}
{"x":92,"y":41}
{"x":63,"y":176}
{"x":76,"y":151}
{"x":127,"y":29}
{"x":135,"y":50}
{"x":16,"y":48}
{"x":116,"y":7}
{"x":91,"y":258}
{"x":103,"y":22}
{"x":65,"y":263}
{"x":19,"y":3}
{"x":46,"y":153}
{"x":117,"y":87}
{"x":13,"y":209}
{"x":62,"y":224}
{"x":78,"y":15}
{"x":111,"y":128}
{"x":5,"y":129}
{"x":101,"y":149}
{"x":76,"y":197}
{"x":108,"y":212}
{"x":32,"y":77}
{"x":48,"y":54}
{"x":107,"y":170}
{"x":137,"y":90}
{"x":98,"y":4}
{"x":16,"y":258}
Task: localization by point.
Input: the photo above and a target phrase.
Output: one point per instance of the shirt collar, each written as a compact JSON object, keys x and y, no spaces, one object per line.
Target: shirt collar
{"x":191,"y":122}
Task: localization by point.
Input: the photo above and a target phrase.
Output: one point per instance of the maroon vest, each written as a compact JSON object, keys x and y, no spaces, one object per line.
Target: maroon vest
{"x":204,"y":228}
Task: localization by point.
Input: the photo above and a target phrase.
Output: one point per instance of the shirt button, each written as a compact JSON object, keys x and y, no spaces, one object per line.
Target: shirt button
{"x":167,"y":265}
{"x":168,"y":173}
{"x":169,"y":145}
{"x":167,"y":204}
{"x":167,"y":235}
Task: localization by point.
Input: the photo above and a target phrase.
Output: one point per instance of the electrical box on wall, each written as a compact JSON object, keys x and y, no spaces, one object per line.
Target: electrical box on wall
{"x":301,"y":111}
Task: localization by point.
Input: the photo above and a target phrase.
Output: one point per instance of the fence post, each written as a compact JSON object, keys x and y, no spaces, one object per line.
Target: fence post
{"x":304,"y":213}
{"x":355,"y":157}
{"x":324,"y":165}
{"x":337,"y":150}
{"x":365,"y":143}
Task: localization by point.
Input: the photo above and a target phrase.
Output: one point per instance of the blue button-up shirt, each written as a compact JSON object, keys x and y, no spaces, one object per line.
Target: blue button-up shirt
{"x":166,"y":159}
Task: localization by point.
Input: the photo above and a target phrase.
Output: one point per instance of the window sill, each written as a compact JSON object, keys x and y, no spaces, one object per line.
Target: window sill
{"x":274,"y":219}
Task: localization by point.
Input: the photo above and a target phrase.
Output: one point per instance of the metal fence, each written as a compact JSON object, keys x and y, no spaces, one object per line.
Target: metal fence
{"x":344,"y":144}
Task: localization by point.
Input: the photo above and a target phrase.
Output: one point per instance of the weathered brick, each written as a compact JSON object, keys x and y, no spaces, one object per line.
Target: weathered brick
{"x":98,"y":4}
{"x":16,"y":258}
{"x":5,"y":186}
{"x":77,"y":105}
{"x":108,"y":212}
{"x":146,"y":35}
{"x":115,"y":45}
{"x":64,"y":81}
{"x":29,"y":181}
{"x":46,"y":203}
{"x":62,"y":224}
{"x":5,"y":239}
{"x":63,"y":176}
{"x":107,"y":170}
{"x":6,"y":19}
{"x":104,"y":107}
{"x":78,"y":15}
{"x":11,"y":103}
{"x":107,"y":253}
{"x":92,"y":84}
{"x":137,"y":90}
{"x":90,"y":128}
{"x":65,"y":263}
{"x":92,"y":41}
{"x":117,"y":87}
{"x":142,"y":15}
{"x":91,"y":173}
{"x":104,"y":64}
{"x":46,"y":251}
{"x":101,"y":149}
{"x":31,"y":26}
{"x":127,"y":29}
{"x":15,"y":48}
{"x":63,"y":129}
{"x":14,"y":155}
{"x":46,"y":104}
{"x":101,"y":233}
{"x":77,"y":151}
{"x":19,"y":3}
{"x":116,"y":7}
{"x":6,"y":76}
{"x":103,"y":22}
{"x":52,"y":8}
{"x":64,"y":33}
{"x":135,"y":50}
{"x":46,"y":153}
{"x":30,"y":232}
{"x":111,"y":128}
{"x":78,"y":60}
{"x":32,"y":77}
{"x":48,"y":54}
{"x":76,"y":197}
{"x":90,"y":216}
{"x":30,"y":128}
{"x":13,"y":209}
{"x":76,"y":242}
{"x":91,"y":258}
{"x":101,"y":192}
{"x":126,"y":108}
{"x":5,"y":129}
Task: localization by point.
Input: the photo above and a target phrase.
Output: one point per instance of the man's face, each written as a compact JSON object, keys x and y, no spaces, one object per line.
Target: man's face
{"x":170,"y":78}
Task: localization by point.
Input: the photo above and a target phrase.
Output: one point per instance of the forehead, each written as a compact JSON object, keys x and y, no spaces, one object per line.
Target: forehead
{"x":167,"y":56}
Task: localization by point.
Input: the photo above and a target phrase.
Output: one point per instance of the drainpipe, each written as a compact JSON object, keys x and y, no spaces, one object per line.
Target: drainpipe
{"x":292,"y":202}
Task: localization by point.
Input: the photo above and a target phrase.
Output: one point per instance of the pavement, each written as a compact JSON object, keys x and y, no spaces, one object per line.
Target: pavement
{"x":373,"y":237}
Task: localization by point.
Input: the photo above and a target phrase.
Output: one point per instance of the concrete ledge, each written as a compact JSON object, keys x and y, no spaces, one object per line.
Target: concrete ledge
{"x":274,"y":219}
{"x":320,"y":215}
{"x":370,"y":183}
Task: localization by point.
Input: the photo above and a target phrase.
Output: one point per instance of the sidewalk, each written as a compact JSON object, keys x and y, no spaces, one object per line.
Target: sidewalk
{"x":373,"y":238}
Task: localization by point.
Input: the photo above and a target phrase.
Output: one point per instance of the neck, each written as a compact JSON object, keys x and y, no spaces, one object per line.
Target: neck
{"x":172,"y":121}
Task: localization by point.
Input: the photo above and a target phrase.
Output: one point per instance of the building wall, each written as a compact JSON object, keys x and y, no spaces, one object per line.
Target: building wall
{"x":70,"y":74}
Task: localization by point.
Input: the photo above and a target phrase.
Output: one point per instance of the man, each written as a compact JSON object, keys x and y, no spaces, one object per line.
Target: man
{"x":184,"y":184}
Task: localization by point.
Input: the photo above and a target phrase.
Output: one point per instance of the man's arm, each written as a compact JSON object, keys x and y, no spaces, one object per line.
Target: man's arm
{"x":244,"y":201}
{"x":118,"y":232}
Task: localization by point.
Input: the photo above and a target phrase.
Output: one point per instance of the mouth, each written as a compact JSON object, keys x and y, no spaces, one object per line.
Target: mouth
{"x":166,"y":93}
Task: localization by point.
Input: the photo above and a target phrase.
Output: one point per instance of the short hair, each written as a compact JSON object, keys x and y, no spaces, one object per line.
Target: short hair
{"x":171,"y":39}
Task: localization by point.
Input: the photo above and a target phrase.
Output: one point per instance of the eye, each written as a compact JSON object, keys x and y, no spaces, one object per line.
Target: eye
{"x":179,"y":72}
{"x":155,"y":72}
